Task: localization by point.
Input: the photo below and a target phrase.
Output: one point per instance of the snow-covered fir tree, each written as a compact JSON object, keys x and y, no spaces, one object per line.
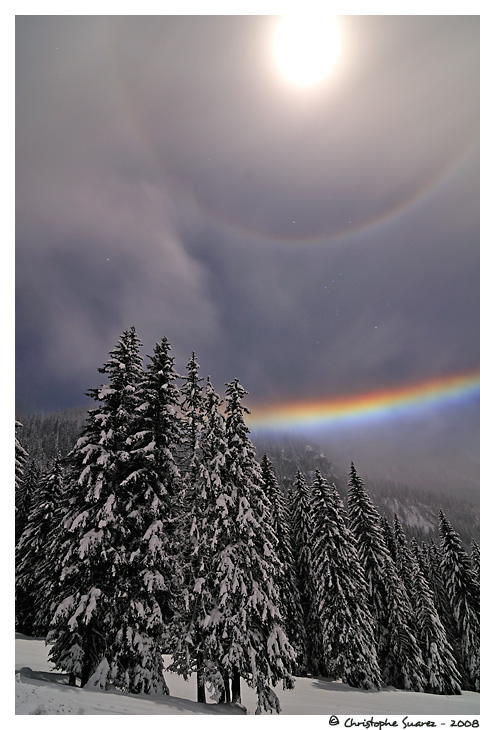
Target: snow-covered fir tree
{"x":420,"y":555}
{"x":462,"y":591}
{"x":246,"y":638}
{"x":35,"y":560}
{"x":475,"y":559}
{"x":403,"y":556}
{"x":440,"y":667}
{"x":398,"y":652}
{"x":348,"y":629}
{"x":290,"y":602}
{"x":192,"y":409}
{"x":186,"y":637}
{"x":25,"y":492}
{"x":21,"y":457}
{"x":192,"y":626}
{"x":389,"y":537}
{"x":98,"y":632}
{"x":302,"y":529}
{"x":152,"y":484}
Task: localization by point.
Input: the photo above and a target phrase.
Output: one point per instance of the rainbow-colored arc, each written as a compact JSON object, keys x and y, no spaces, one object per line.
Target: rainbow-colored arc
{"x":378,"y":404}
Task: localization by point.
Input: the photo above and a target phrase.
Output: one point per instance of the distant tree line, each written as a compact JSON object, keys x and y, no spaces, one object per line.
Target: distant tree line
{"x":160,"y":532}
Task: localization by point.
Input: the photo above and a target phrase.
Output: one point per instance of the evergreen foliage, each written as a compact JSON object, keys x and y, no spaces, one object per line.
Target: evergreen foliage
{"x":441,"y":672}
{"x":399,"y":656}
{"x":402,"y":665}
{"x":302,"y":529}
{"x":35,"y":572}
{"x":341,"y":594}
{"x":289,"y":601}
{"x":246,"y":636}
{"x":389,"y":537}
{"x":161,"y":533}
{"x":103,"y":629}
{"x":21,"y":457}
{"x":21,"y":493}
{"x":192,"y":417}
{"x":475,"y":559}
{"x":462,"y":591}
{"x":403,"y":557}
{"x":203,"y":487}
{"x":25,"y":492}
{"x":151,"y":484}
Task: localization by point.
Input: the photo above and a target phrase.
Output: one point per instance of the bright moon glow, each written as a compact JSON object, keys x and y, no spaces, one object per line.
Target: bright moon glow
{"x":307,"y":47}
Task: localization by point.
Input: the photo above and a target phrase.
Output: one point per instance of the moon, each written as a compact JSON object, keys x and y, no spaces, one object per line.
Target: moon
{"x":307,"y":47}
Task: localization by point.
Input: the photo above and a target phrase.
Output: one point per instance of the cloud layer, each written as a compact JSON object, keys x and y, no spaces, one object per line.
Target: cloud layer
{"x":310,"y":243}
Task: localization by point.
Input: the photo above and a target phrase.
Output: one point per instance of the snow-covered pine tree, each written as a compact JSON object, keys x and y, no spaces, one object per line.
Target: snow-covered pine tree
{"x":441,"y":672}
{"x":191,"y":624}
{"x":193,"y":419}
{"x":25,"y":491}
{"x":430,"y":561}
{"x":191,"y":392}
{"x":302,"y":528}
{"x":403,"y":557}
{"x":246,"y":637}
{"x":151,"y":485}
{"x":389,"y":537}
{"x":341,"y":593}
{"x":35,"y":569}
{"x":24,"y":495}
{"x":475,"y":559}
{"x":290,"y":601}
{"x":21,"y":457}
{"x":462,"y":590}
{"x":92,"y":589}
{"x":398,"y":652}
{"x":420,"y":555}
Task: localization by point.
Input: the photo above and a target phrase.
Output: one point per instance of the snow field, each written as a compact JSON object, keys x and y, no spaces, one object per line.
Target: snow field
{"x":311,"y":696}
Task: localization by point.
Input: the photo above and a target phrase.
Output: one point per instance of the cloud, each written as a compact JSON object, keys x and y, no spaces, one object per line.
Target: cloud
{"x":100,"y":258}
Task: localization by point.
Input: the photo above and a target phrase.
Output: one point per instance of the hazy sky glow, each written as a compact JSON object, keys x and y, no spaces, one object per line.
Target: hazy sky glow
{"x":317,"y":240}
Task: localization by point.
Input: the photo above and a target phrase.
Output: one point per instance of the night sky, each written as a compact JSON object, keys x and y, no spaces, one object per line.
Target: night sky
{"x":316,"y":242}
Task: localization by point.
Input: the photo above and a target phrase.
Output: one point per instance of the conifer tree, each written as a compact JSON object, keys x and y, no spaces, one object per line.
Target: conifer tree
{"x":192,"y":626}
{"x":99,"y":629}
{"x":441,"y":672}
{"x":402,"y":664}
{"x":389,"y":537}
{"x":399,"y":655}
{"x":341,"y":594}
{"x":301,"y":521}
{"x":186,"y":638}
{"x":246,"y":637}
{"x":21,"y":457}
{"x":26,"y":488}
{"x":35,"y":570}
{"x":475,"y":559}
{"x":420,"y":555}
{"x":290,"y":602}
{"x":193,"y":417}
{"x":431,"y":559}
{"x":403,"y":557}
{"x":152,"y":484}
{"x":462,"y":591}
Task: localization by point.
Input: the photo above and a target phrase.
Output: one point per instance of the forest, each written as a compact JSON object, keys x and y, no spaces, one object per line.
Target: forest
{"x":152,"y":527}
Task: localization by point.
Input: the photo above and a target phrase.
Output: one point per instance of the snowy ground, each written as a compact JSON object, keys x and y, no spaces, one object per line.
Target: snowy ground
{"x":38,"y":696}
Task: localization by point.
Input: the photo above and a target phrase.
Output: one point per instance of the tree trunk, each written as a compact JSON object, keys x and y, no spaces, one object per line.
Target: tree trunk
{"x":236,"y":686}
{"x":200,"y":680}
{"x":226,"y":697}
{"x":85,"y":673}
